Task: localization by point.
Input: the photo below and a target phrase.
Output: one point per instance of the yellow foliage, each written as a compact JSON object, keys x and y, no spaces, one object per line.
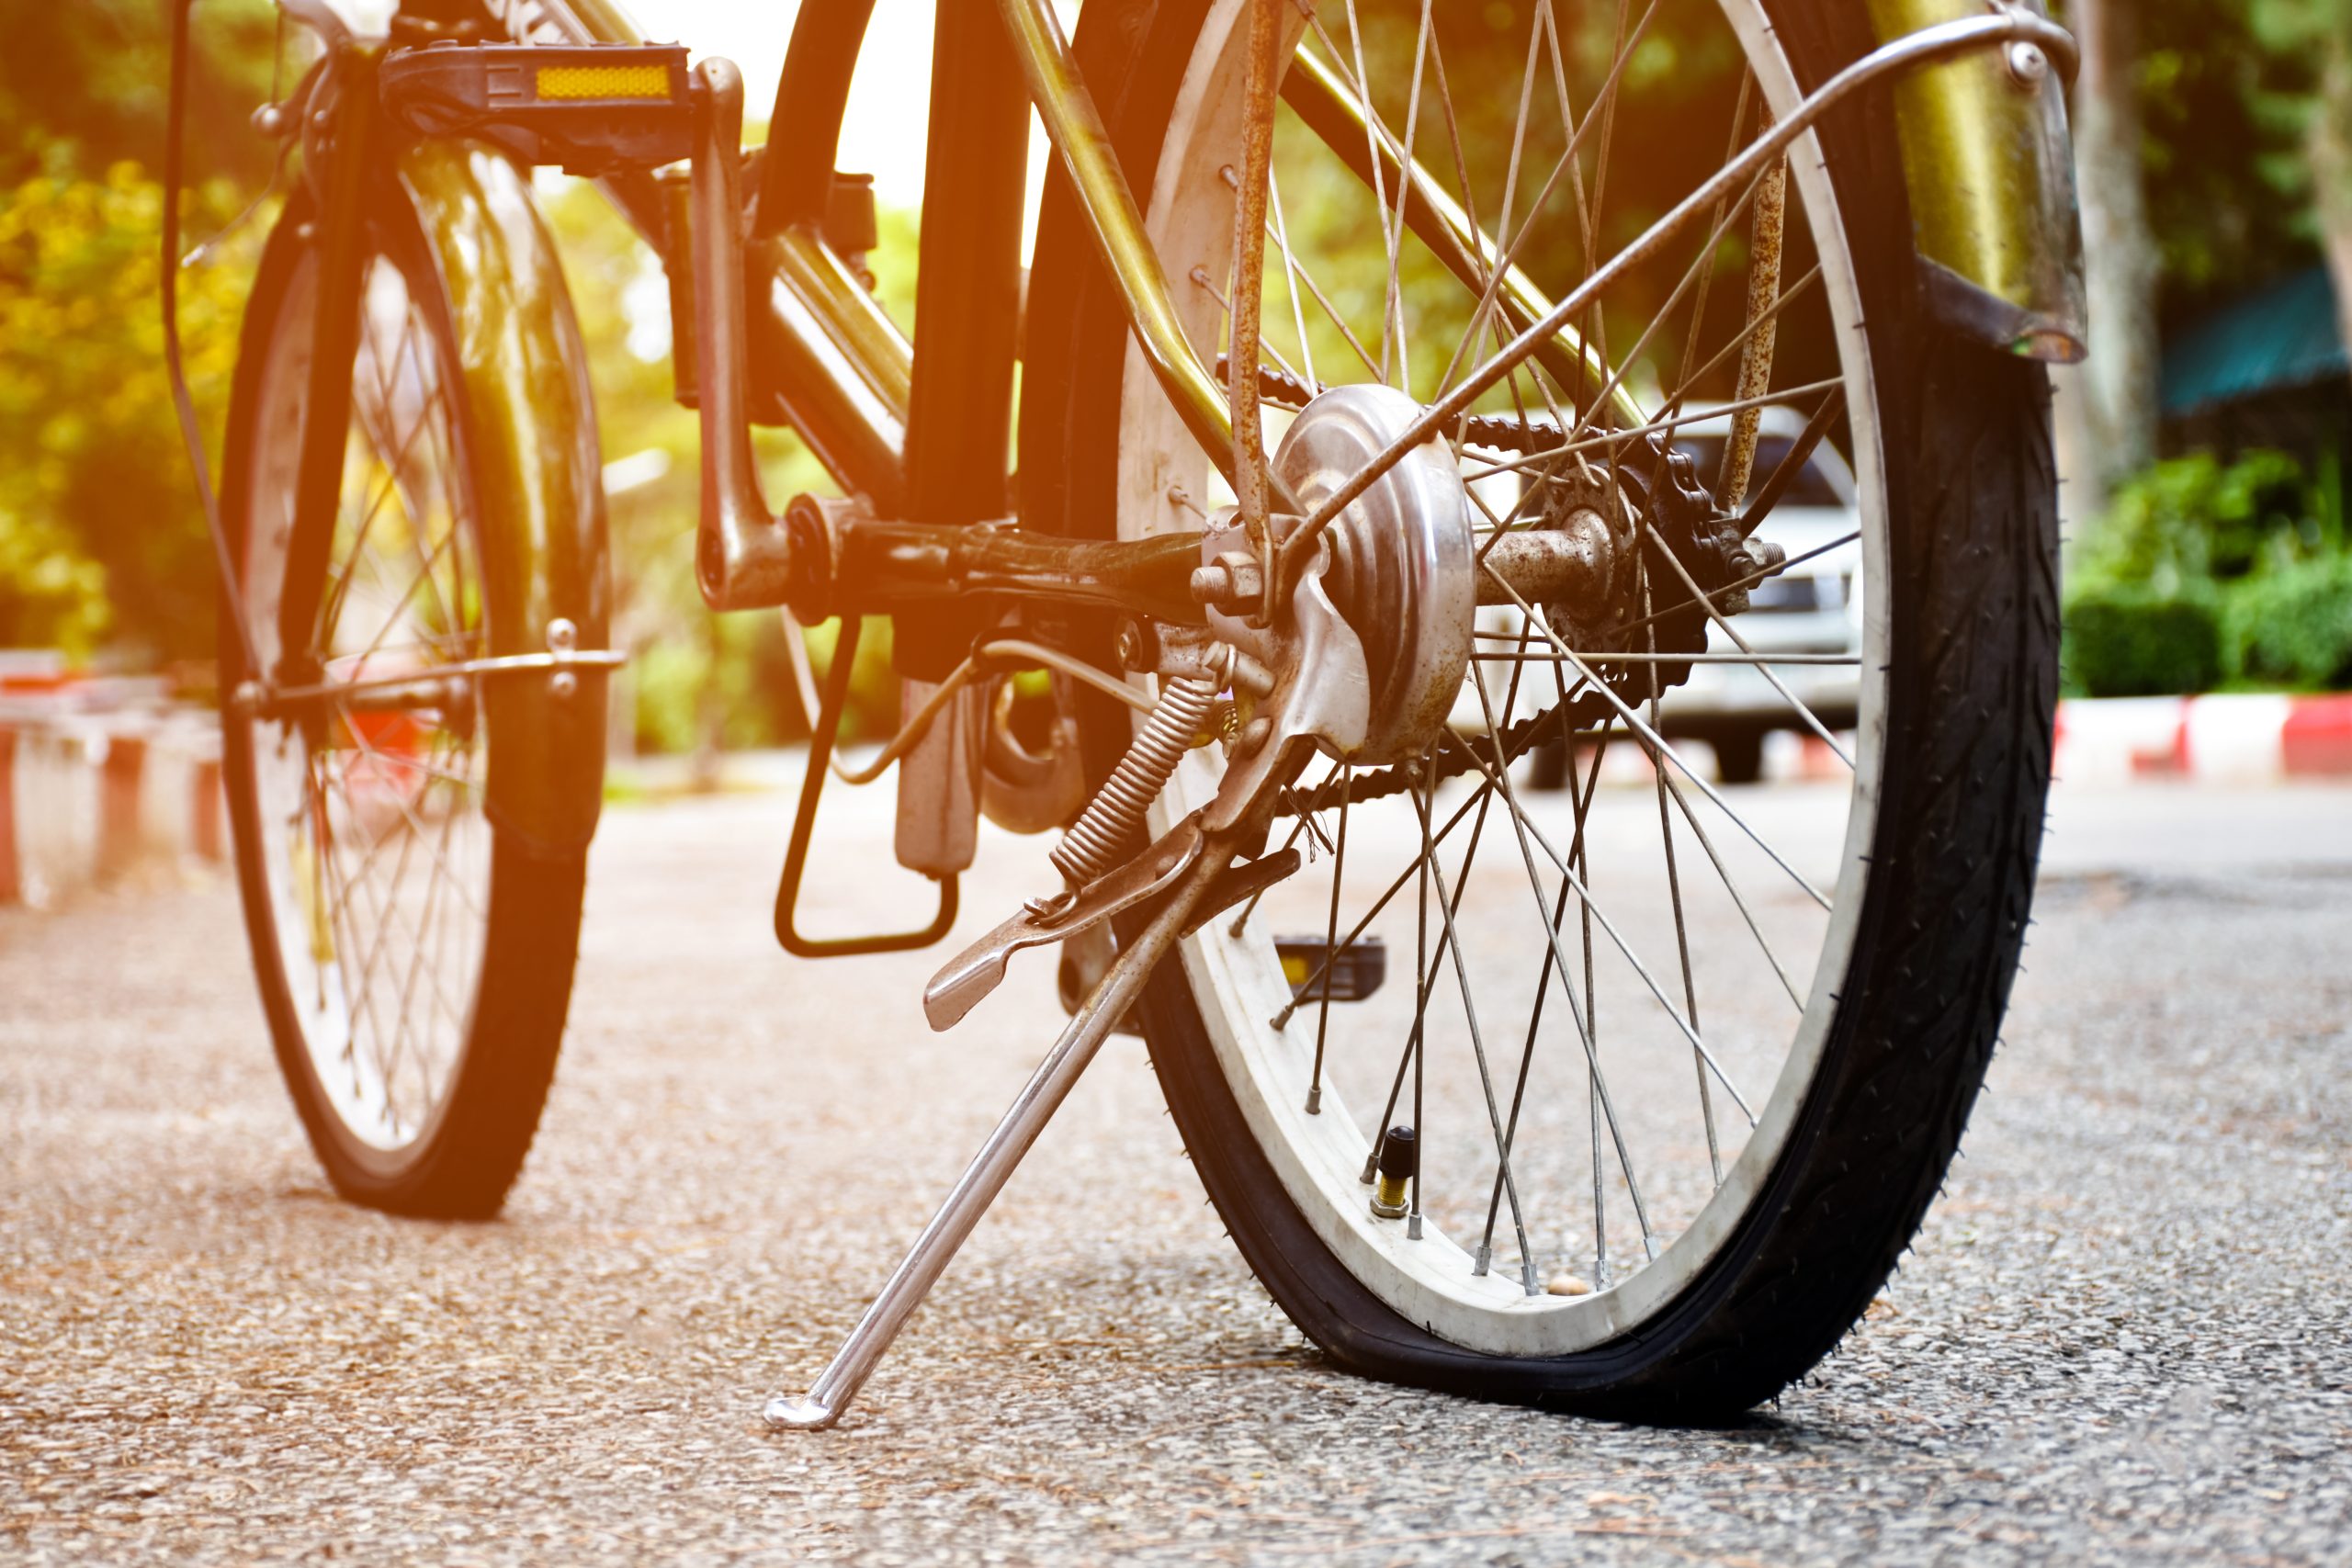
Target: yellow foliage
{"x":100,"y":533}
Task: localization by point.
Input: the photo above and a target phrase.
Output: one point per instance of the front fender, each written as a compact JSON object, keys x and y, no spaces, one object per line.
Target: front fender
{"x":538,"y":478}
{"x":1991,"y":179}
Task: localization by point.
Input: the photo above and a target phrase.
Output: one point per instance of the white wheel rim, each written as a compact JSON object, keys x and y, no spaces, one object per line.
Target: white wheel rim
{"x":1238,"y":981}
{"x":379,"y":914}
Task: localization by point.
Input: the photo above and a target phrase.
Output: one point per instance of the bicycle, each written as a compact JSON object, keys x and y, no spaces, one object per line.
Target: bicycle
{"x":1325,"y":513}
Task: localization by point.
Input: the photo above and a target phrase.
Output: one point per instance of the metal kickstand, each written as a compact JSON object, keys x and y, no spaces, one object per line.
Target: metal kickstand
{"x":986,"y":1176}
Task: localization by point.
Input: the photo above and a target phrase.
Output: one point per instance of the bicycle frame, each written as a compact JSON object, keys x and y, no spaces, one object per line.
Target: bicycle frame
{"x":910,"y":432}
{"x":923,"y":437}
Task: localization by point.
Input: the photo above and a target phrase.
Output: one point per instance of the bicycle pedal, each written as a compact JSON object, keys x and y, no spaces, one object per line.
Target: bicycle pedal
{"x":587,"y":108}
{"x":1357,"y":969}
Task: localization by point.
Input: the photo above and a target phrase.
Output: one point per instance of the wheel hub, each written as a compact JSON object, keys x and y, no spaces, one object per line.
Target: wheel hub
{"x":1582,"y":506}
{"x":1402,"y":565}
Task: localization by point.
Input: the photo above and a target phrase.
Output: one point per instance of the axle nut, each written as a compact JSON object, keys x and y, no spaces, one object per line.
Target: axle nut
{"x":1231,"y":583}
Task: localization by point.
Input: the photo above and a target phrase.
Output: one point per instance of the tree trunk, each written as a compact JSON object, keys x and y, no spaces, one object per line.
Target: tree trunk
{"x":2120,"y":253}
{"x":2079,"y":500}
{"x":2330,"y":147}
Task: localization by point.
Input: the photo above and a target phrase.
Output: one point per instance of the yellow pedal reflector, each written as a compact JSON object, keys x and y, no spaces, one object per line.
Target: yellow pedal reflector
{"x":590,"y":109}
{"x":651,"y":82}
{"x":1357,"y":968}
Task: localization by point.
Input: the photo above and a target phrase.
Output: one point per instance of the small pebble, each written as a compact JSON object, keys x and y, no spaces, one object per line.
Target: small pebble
{"x":1567,"y":1285}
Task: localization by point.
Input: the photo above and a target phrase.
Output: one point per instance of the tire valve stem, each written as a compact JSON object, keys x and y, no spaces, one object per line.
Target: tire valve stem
{"x":1399,"y":1152}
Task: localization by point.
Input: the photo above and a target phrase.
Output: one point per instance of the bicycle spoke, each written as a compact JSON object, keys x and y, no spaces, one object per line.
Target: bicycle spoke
{"x":1527,"y":830}
{"x":407,"y":812}
{"x":403,"y":352}
{"x":1840,"y":543}
{"x":1282,"y":1019}
{"x":1201,"y":279}
{"x":1280,"y":234}
{"x":1668,"y":426}
{"x":1681,"y":928}
{"x":1330,"y":940}
{"x":1425,"y":965}
{"x":1486,"y":1079}
{"x":1303,"y":827}
{"x":392,"y":616}
{"x":360,"y":999}
{"x":1372,"y":139}
{"x":384,"y":907}
{"x":1522,"y":829}
{"x":1537,"y":656}
{"x":1762,"y":666}
{"x":339,"y":589}
{"x":1674,"y":791}
{"x":1566,"y":165}
{"x":1688,"y":280}
{"x":1633,"y":720}
{"x":1534,"y":1022}
{"x":430,"y":926}
{"x":1395,"y":237}
{"x":393,"y":758}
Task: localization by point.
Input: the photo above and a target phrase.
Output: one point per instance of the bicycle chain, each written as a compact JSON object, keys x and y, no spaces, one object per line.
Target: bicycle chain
{"x":1500,"y":432}
{"x":1454,"y":757}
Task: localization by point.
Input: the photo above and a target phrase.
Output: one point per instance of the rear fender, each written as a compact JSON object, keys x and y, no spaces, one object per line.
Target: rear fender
{"x":1991,"y":179}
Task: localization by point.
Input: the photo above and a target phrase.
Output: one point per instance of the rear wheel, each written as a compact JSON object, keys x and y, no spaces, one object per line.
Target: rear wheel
{"x":1683,"y":1072}
{"x":414,"y":963}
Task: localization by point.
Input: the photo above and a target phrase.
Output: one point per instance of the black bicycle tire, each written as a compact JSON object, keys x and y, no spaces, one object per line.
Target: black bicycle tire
{"x":1972,"y":698}
{"x":464,"y":1165}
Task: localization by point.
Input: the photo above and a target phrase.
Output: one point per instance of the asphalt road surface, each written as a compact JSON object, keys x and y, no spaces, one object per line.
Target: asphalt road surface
{"x":2124,"y":1335}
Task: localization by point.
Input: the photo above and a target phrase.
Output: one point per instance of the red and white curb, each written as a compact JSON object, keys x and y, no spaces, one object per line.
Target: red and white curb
{"x":2250,"y":739}
{"x":90,"y":792}
{"x":86,"y":796}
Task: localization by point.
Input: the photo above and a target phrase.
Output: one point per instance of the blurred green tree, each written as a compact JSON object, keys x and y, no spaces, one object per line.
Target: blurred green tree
{"x":82,"y":86}
{"x":100,"y":533}
{"x":101,"y":539}
{"x":2232,"y":91}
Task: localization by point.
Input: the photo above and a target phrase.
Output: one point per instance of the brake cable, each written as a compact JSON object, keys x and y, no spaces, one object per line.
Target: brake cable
{"x":989,"y":652}
{"x":183,"y":403}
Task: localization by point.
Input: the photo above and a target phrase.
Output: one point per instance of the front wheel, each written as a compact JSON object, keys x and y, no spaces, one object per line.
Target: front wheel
{"x":1682,"y":1072}
{"x":415,"y":962}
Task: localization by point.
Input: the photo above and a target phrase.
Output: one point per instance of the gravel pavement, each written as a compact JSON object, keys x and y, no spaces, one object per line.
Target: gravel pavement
{"x":2124,"y":1335}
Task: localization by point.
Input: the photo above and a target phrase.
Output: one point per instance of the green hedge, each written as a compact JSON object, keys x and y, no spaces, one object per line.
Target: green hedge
{"x":2203,"y":573}
{"x":2293,"y":626}
{"x":2129,"y":641}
